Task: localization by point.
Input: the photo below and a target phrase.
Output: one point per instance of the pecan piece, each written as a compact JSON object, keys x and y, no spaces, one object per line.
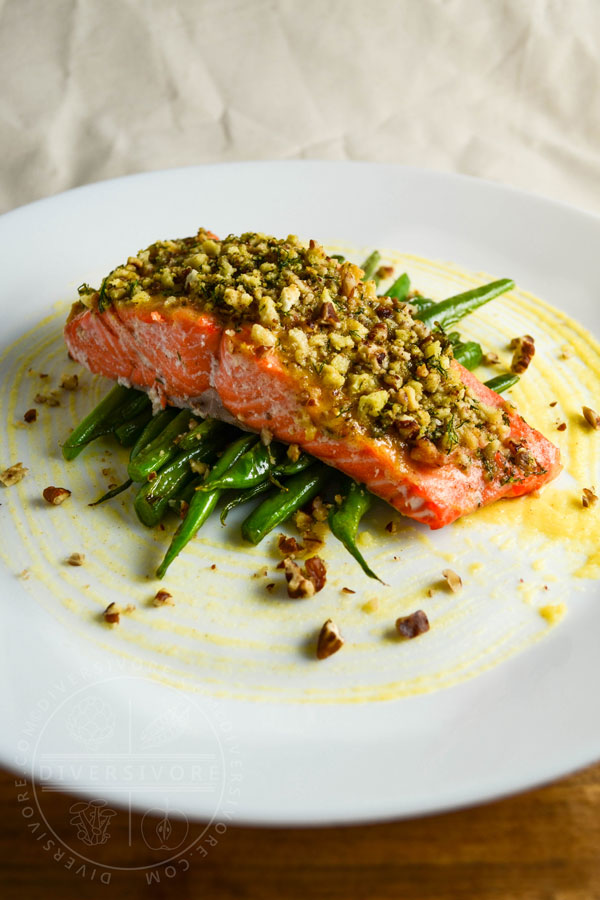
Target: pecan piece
{"x":328,"y":314}
{"x":50,"y":399}
{"x":330,"y":640}
{"x":76,"y":559}
{"x":55,"y":495}
{"x":490,"y":359}
{"x":69,"y":382}
{"x":350,"y":276}
{"x":591,"y":417}
{"x":163,"y":598}
{"x":30,"y":415}
{"x":13,"y":474}
{"x":407,"y":427}
{"x":298,"y":586}
{"x":524,"y":350}
{"x":316,"y":572}
{"x":588,"y":497}
{"x":379,"y":333}
{"x":112,"y":614}
{"x":288,"y":546}
{"x":413,"y":625}
{"x":453,"y":580}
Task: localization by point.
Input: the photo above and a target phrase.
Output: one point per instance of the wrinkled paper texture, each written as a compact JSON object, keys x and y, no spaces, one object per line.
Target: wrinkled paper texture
{"x":503,"y":89}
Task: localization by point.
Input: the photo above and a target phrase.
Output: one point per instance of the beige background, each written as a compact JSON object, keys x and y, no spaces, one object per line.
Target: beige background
{"x":503,"y":89}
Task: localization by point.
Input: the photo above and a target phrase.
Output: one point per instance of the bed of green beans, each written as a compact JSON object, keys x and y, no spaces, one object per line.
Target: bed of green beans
{"x":178,"y":464}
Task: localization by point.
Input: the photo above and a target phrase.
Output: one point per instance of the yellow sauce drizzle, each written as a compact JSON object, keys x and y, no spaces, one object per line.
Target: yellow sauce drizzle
{"x":521,"y":560}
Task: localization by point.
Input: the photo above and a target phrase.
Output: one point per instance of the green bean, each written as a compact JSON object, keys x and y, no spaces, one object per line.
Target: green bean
{"x":292,"y":467}
{"x":153,"y":497}
{"x":190,"y":439}
{"x":338,"y":256}
{"x":502,"y":382}
{"x":457,"y":307}
{"x":128,"y":433}
{"x":202,"y":504}
{"x":135,"y":404}
{"x":244,"y":497}
{"x":154,"y":427}
{"x":278,"y":506}
{"x":400,"y":288}
{"x":161,"y":450}
{"x":95,"y":423}
{"x":468,"y":354}
{"x":181,"y":500}
{"x":370,"y":264}
{"x":252,"y":468}
{"x":421,"y":303}
{"x":114,"y":492}
{"x":345,"y":519}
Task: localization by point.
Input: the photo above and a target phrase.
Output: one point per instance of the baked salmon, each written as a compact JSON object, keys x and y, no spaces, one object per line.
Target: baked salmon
{"x":286,"y":341}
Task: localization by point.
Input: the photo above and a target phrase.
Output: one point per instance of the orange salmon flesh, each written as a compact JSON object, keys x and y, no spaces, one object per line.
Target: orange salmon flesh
{"x":188,"y":358}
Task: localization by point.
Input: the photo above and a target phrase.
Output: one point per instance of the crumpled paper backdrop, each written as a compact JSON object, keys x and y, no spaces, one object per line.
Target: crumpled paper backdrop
{"x":504,"y":89}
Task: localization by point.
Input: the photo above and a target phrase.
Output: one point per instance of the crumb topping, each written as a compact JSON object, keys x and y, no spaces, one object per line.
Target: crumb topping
{"x":377,"y":365}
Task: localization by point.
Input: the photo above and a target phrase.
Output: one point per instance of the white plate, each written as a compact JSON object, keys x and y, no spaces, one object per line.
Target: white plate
{"x":222,"y":704}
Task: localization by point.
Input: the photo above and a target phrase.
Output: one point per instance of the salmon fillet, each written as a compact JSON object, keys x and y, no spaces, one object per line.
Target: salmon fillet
{"x":194,"y":356}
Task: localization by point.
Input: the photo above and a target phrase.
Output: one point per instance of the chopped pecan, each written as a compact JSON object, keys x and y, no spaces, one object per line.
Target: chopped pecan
{"x":413,"y":625}
{"x":328,"y":314}
{"x":524,"y":350}
{"x":384,"y":312}
{"x":112,"y":614}
{"x":163,"y":598}
{"x":490,"y":359}
{"x":69,"y":382}
{"x":522,"y":457}
{"x":13,"y":474}
{"x":347,"y":590}
{"x":350,"y":276}
{"x":30,"y":415}
{"x":56,"y":495}
{"x":330,"y":640}
{"x":50,"y":399}
{"x":316,"y":572}
{"x":591,"y":417}
{"x":288,"y":546}
{"x":384,"y":272}
{"x":76,"y":559}
{"x":588,"y":497}
{"x":298,"y":585}
{"x":562,"y":426}
{"x":407,"y":427}
{"x":379,"y":333}
{"x":453,"y":580}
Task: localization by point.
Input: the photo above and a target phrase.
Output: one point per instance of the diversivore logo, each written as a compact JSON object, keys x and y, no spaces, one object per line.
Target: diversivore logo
{"x":101,"y":764}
